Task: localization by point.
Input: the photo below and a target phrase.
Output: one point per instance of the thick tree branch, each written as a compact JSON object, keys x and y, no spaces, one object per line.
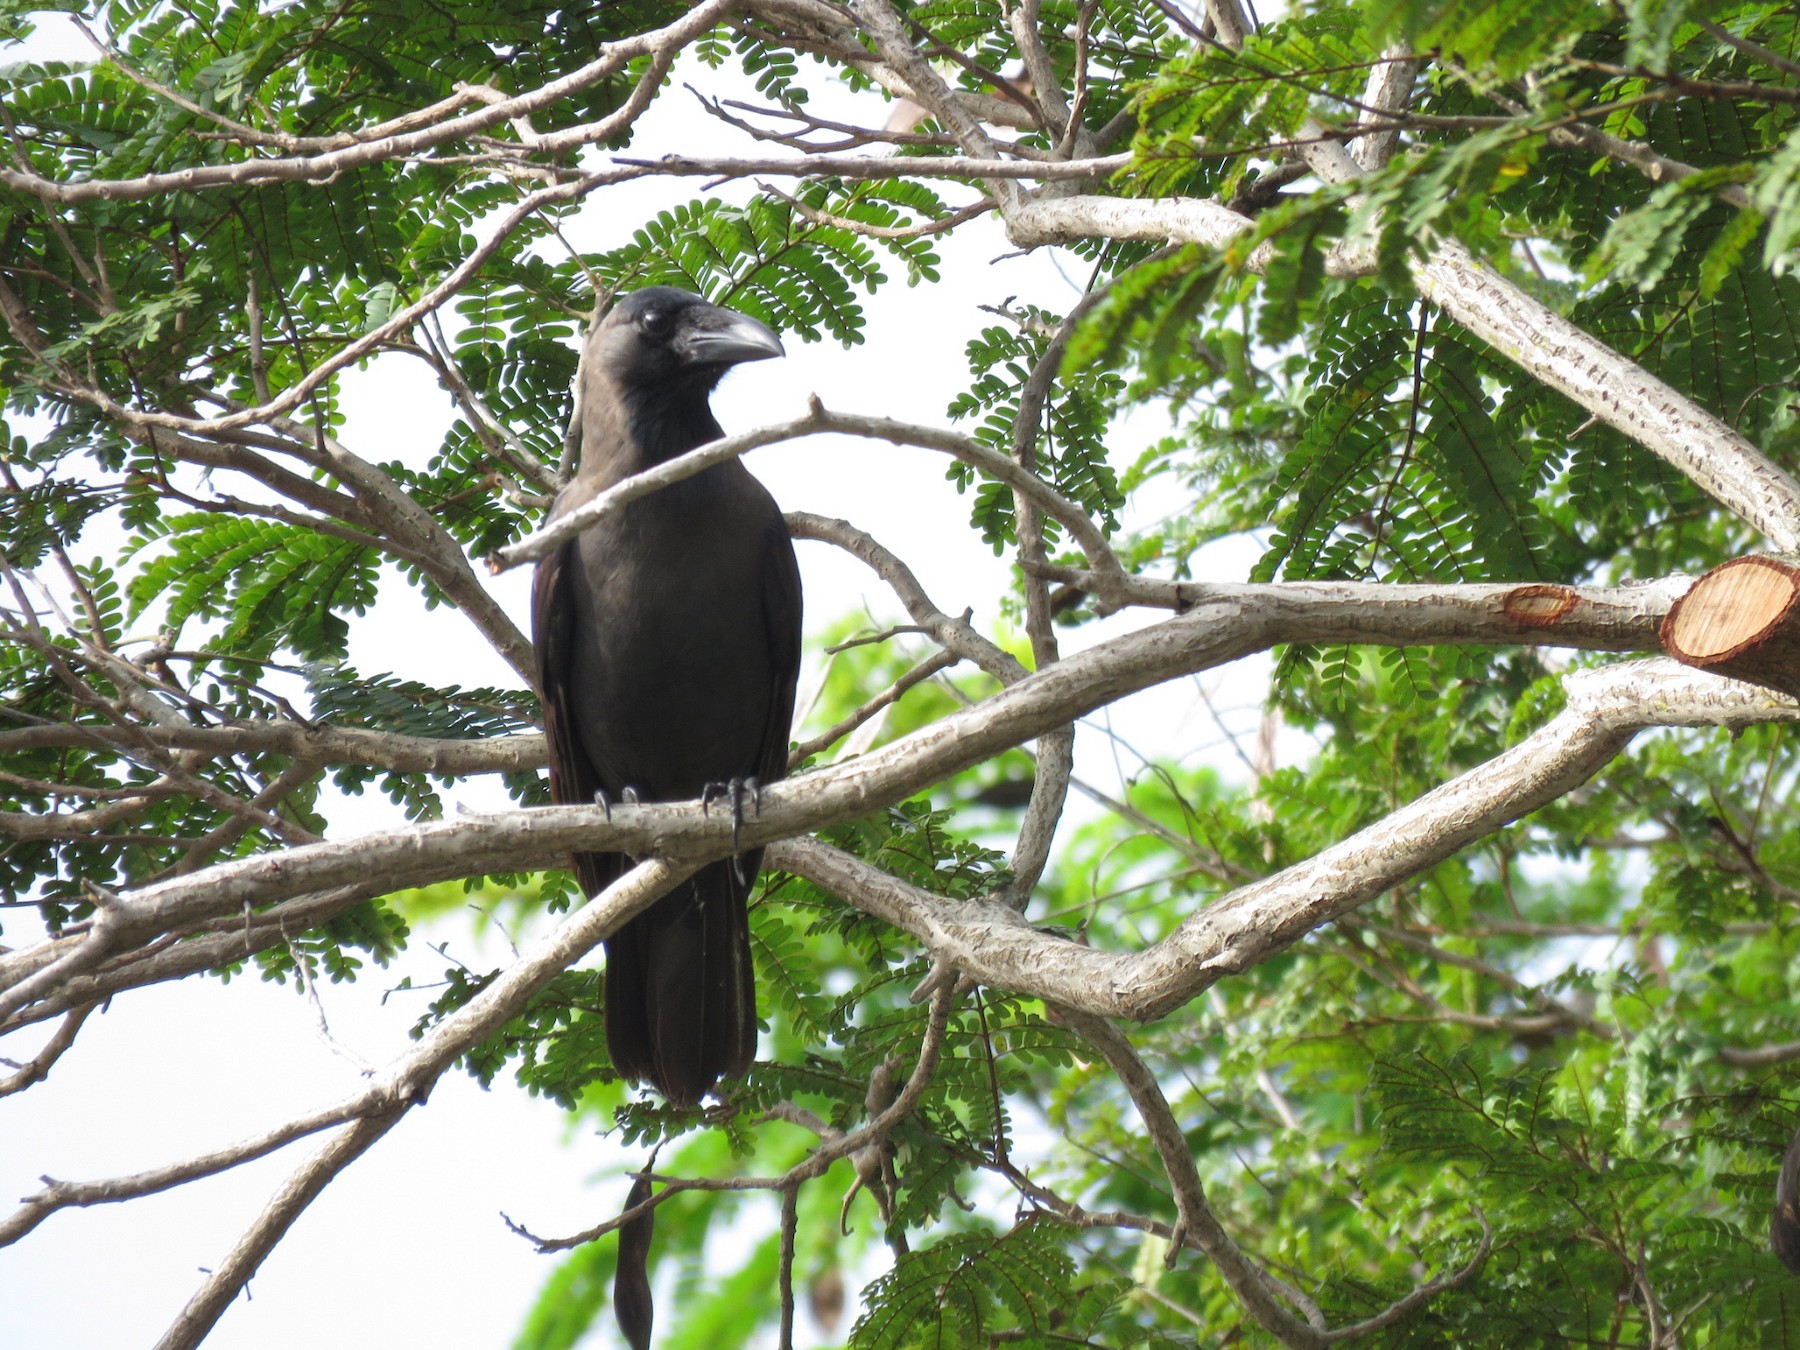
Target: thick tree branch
{"x":319,"y":742}
{"x":1722,"y":463}
{"x":175,"y":956}
{"x":1532,"y":335}
{"x":1606,"y":708}
{"x":1618,"y":391}
{"x":1209,"y":633}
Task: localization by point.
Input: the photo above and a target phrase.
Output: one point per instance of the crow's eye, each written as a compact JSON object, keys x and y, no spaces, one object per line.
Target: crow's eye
{"x":657,"y":322}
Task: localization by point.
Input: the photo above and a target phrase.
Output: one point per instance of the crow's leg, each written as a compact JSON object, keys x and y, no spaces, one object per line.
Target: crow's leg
{"x":734,"y":788}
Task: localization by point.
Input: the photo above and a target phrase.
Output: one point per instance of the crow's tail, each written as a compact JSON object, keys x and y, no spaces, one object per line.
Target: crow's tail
{"x":680,"y":992}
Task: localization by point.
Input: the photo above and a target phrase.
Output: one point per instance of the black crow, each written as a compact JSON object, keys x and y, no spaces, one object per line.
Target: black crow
{"x":668,"y":644}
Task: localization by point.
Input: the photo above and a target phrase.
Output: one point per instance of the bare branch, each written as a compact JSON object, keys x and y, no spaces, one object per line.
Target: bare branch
{"x":1606,"y":709}
{"x":1760,"y":1056}
{"x":1195,"y":1218}
{"x":403,"y":1083}
{"x":1002,"y":174}
{"x":37,"y":1069}
{"x":1722,"y":463}
{"x":230,"y":1276}
{"x":406,"y":141}
{"x":317,"y":742}
{"x":818,"y":421}
{"x":1543,"y":343}
{"x":1208,"y":634}
{"x":164,"y":959}
{"x":953,"y":635}
{"x":931,"y":665}
{"x":833,"y":1145}
{"x":924,"y":227}
{"x":1402,"y":1308}
{"x":882,"y":25}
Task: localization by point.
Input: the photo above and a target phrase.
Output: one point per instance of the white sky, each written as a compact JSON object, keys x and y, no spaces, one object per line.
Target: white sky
{"x":407,"y":1247}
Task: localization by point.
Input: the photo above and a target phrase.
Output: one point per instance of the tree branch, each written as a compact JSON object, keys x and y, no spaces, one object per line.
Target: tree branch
{"x":1209,"y":633}
{"x":405,"y":139}
{"x":1606,"y":708}
{"x":1195,"y":1218}
{"x":819,"y":420}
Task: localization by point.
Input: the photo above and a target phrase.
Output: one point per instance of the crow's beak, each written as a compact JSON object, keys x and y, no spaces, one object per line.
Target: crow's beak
{"x":717,"y":336}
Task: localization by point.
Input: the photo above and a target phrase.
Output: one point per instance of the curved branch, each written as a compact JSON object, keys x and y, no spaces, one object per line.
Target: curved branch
{"x":819,"y":420}
{"x":992,"y":944}
{"x":1544,"y":344}
{"x":1195,"y":1218}
{"x":404,"y":1083}
{"x":953,"y":635}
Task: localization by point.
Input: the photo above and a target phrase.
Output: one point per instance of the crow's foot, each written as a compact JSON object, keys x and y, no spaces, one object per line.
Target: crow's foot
{"x":735,"y":789}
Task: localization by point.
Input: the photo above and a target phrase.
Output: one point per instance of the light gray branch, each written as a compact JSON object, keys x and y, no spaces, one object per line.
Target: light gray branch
{"x":882,"y":26}
{"x":991,"y":169}
{"x":1617,"y":390}
{"x":237,"y":939}
{"x":317,"y":742}
{"x":1722,"y":463}
{"x":1606,"y":708}
{"x":1597,"y":618}
{"x":1212,"y":631}
{"x":405,"y":1082}
{"x":953,"y":635}
{"x":227,"y":1280}
{"x":1388,"y":91}
{"x":1540,"y":341}
{"x":37,"y":1069}
{"x":1195,"y":1218}
{"x":405,"y":141}
{"x":818,"y":421}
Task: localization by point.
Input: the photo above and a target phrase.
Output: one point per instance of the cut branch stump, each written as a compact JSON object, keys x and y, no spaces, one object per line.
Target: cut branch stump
{"x":1741,"y":619}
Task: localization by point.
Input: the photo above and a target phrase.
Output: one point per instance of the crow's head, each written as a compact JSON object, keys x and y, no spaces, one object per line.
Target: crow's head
{"x":661,"y":336}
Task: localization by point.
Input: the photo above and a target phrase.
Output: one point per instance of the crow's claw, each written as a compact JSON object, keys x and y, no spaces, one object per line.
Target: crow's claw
{"x":604,"y":802}
{"x":734,"y":788}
